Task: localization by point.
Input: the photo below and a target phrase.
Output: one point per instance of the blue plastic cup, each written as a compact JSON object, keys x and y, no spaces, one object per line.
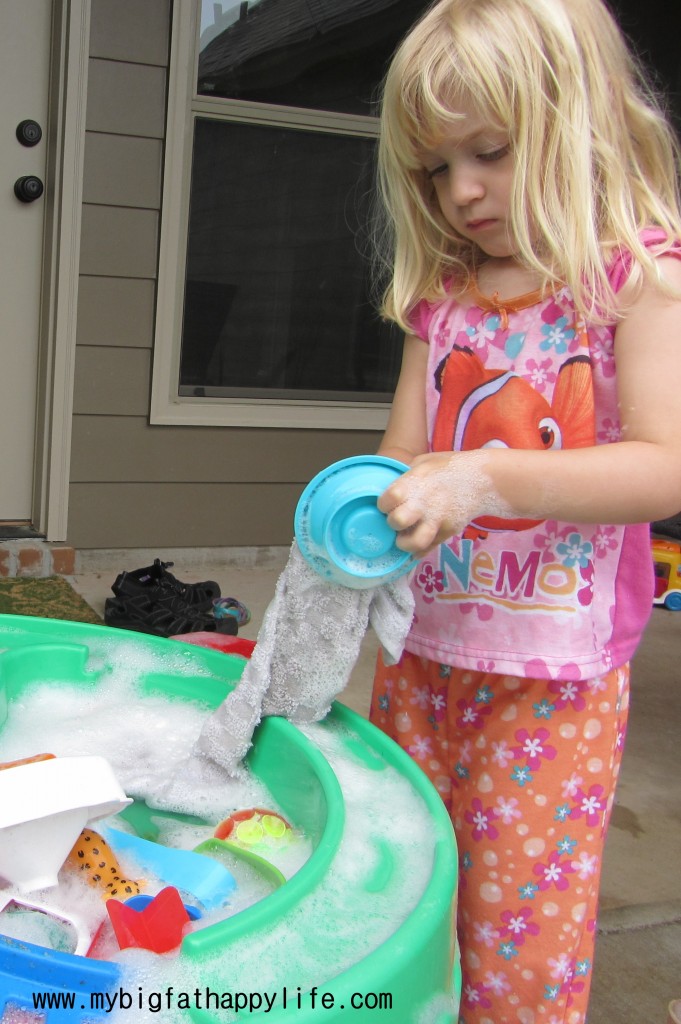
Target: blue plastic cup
{"x":339,"y":528}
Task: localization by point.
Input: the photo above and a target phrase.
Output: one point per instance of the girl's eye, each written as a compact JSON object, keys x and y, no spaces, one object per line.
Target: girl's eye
{"x":440,"y":169}
{"x":494,"y":154}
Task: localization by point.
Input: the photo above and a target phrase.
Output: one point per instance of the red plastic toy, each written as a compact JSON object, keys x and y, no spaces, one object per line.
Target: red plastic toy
{"x":218,"y":642}
{"x":158,"y":927}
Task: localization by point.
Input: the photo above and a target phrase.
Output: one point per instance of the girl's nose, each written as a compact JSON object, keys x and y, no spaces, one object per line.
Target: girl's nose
{"x":465,"y":186}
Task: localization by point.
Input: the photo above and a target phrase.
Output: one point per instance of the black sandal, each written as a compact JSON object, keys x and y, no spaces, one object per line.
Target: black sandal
{"x":155,"y":582}
{"x":168,"y":617}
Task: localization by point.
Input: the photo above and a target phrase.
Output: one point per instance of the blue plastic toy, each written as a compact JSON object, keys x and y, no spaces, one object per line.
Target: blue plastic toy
{"x":26,"y":969}
{"x":339,"y":528}
{"x":204,"y":878}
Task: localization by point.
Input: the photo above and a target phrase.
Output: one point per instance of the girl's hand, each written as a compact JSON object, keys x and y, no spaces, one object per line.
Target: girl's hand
{"x":438,"y":497}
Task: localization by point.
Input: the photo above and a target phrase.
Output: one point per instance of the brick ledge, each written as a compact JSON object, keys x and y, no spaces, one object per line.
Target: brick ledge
{"x":24,"y":557}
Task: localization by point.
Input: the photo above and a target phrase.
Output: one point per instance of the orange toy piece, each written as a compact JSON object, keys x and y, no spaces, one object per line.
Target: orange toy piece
{"x":25,"y":760}
{"x":92,"y":855}
{"x":254,"y":827}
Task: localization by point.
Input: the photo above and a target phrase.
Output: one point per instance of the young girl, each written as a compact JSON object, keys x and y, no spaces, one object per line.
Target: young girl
{"x":530,"y":181}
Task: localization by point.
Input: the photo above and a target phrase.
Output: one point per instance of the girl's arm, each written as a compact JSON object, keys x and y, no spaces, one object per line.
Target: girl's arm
{"x":406,"y":434}
{"x":637,"y":479}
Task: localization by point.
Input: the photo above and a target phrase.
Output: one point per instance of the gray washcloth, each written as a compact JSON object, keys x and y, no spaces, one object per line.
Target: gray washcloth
{"x":307,"y":647}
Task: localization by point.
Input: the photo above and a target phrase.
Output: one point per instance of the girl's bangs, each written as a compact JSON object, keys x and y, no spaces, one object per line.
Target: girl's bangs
{"x":437,"y":92}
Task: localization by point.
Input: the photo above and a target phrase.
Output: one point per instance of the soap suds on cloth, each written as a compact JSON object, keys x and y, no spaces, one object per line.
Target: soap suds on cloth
{"x":306,"y":649}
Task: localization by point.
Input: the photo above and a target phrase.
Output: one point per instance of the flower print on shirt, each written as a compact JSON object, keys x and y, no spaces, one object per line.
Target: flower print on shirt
{"x":548,"y":540}
{"x":442,"y":333}
{"x":610,"y":432}
{"x":575,"y":550}
{"x":484,"y":612}
{"x":430,"y":581}
{"x":585,"y":593}
{"x":604,"y":540}
{"x":482,"y":330}
{"x":602,"y":350}
{"x":539,"y":374}
{"x":557,"y":335}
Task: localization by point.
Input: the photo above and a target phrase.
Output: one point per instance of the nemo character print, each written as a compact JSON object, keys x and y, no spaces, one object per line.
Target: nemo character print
{"x":484,"y":408}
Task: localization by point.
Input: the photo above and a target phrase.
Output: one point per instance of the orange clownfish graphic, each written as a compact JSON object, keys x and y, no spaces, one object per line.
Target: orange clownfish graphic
{"x":481,"y":408}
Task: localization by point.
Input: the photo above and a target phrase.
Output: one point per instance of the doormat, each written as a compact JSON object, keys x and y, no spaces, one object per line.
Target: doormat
{"x":50,"y":597}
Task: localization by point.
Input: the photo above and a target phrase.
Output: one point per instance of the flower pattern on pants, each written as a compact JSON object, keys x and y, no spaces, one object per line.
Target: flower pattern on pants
{"x":527,"y":770}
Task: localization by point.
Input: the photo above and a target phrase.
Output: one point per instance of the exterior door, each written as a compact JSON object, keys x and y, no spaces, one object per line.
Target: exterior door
{"x":25,"y":30}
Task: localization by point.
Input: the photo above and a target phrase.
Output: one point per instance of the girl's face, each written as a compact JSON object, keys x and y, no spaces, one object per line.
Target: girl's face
{"x":472,"y":173}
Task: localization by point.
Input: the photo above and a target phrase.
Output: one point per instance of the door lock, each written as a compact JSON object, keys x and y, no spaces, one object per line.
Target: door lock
{"x":29,"y":132}
{"x":28,"y":188}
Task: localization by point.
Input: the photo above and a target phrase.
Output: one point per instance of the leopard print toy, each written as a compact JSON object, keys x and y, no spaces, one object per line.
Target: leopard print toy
{"x":92,"y":855}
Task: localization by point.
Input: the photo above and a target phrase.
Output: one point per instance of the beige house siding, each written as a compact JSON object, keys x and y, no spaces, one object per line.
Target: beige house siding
{"x":131,"y":484}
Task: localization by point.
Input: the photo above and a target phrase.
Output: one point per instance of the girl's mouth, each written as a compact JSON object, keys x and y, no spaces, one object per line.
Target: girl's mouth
{"x":480,"y":225}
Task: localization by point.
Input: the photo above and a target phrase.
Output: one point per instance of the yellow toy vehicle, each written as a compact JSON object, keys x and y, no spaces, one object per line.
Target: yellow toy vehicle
{"x":667,"y":565}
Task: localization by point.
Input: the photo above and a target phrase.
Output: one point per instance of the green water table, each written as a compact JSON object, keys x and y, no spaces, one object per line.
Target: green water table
{"x":358,"y":933}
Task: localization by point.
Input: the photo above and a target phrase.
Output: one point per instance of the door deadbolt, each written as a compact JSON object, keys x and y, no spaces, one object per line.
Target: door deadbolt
{"x":28,"y":188}
{"x":29,"y":132}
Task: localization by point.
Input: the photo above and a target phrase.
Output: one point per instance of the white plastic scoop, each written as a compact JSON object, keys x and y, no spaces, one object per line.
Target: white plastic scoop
{"x":44,"y":806}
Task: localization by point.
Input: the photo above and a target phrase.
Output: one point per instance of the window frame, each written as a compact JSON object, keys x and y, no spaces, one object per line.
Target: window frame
{"x":184,"y":106}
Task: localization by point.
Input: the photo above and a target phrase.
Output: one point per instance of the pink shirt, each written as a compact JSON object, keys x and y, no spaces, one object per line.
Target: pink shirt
{"x":544,"y":599}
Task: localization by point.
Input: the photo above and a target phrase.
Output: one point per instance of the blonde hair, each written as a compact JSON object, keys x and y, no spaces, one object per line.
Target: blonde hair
{"x":595,"y":158}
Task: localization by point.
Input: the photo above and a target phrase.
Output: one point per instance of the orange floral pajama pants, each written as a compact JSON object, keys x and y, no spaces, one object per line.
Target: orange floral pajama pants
{"x":527,"y":769}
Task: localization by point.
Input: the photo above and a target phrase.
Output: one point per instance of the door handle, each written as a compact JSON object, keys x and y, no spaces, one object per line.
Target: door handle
{"x":28,"y":188}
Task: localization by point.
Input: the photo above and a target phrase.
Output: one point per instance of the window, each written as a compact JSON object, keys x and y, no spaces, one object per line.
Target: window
{"x":265,"y":316}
